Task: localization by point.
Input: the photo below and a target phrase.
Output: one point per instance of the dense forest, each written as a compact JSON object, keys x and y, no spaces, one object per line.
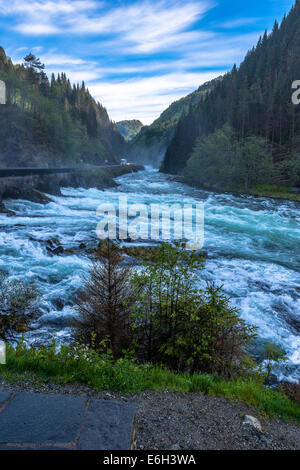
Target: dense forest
{"x":246,"y":130}
{"x":150,"y":144}
{"x":50,"y":122}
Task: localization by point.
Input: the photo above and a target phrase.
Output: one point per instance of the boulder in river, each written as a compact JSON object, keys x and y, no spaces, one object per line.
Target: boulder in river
{"x":30,"y":194}
{"x":4,"y":210}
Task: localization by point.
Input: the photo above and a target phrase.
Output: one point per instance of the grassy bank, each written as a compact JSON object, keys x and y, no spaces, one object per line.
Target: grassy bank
{"x":263,"y":190}
{"x":79,"y":365}
{"x":275,"y":192}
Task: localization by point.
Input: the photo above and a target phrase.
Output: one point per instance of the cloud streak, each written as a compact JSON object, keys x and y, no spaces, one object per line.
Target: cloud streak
{"x":136,"y":56}
{"x":145,"y":98}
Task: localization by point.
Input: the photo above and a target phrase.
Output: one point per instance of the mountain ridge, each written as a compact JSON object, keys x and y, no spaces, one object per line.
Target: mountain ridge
{"x":129,"y":128}
{"x":150,"y":144}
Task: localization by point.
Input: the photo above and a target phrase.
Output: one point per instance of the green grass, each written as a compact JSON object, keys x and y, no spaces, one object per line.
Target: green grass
{"x":276,"y":192}
{"x":78,"y":365}
{"x":261,"y":190}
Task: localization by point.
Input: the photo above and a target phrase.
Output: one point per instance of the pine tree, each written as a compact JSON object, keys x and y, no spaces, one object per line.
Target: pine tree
{"x":104,"y":304}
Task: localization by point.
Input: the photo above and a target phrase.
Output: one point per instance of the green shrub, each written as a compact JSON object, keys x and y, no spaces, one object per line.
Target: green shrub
{"x":18,"y":304}
{"x":186,"y":328}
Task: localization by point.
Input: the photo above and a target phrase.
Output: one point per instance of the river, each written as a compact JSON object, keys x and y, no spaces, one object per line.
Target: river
{"x":252,"y":246}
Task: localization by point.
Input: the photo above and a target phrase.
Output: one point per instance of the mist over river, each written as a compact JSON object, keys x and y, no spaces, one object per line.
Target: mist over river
{"x":252,"y":246}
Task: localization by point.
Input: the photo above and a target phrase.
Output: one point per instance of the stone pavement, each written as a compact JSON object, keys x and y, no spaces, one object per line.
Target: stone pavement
{"x":39,"y":421}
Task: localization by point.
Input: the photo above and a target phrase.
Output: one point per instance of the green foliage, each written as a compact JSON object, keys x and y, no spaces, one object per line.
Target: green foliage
{"x":255,"y":101}
{"x":166,"y":290}
{"x":215,"y":337}
{"x":129,"y":129}
{"x":254,"y":163}
{"x":161,"y":314}
{"x":274,"y":354}
{"x":271,"y":188}
{"x":52,"y":121}
{"x":274,"y":191}
{"x":221,"y":161}
{"x":78,"y":364}
{"x":289,"y":170}
{"x":178,"y":324}
{"x":214,"y":159}
{"x":104,"y":303}
{"x":18,"y":304}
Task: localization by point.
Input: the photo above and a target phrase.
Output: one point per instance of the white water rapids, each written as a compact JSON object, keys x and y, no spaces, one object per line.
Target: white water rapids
{"x":252,"y":245}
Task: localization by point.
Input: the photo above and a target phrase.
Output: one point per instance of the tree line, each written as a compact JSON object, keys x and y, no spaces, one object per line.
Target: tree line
{"x":254,"y":102}
{"x":60,"y":121}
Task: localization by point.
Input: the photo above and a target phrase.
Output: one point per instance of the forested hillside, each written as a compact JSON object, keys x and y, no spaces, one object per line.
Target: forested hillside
{"x":246,"y":132}
{"x":150,"y":145}
{"x":52,"y":122}
{"x":129,"y":128}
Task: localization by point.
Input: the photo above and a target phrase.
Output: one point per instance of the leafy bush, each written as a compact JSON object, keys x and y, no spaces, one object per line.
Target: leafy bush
{"x":177,"y":324}
{"x":18,"y":304}
{"x":273,"y":355}
{"x":223,"y":161}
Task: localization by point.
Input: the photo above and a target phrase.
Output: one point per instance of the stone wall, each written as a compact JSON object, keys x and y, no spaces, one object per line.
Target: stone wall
{"x":18,"y":187}
{"x":15,"y":186}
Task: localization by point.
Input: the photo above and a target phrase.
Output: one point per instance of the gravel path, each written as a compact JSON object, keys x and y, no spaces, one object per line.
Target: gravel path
{"x":177,"y":421}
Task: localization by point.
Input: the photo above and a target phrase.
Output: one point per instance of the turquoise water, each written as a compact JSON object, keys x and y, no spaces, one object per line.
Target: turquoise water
{"x":252,"y":244}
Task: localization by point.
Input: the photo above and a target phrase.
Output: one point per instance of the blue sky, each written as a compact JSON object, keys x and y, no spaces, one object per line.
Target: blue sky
{"x":136,"y":56}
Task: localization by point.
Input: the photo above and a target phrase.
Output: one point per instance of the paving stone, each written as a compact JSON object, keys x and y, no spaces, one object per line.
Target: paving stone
{"x":32,"y":448}
{"x":3,"y":397}
{"x":108,"y":426}
{"x":39,"y":418}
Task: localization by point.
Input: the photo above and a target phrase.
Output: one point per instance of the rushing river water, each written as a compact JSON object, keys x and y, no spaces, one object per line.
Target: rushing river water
{"x":252,"y":246}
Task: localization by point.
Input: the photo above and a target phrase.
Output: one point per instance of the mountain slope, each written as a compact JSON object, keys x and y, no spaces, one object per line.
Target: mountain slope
{"x":254,"y":102}
{"x":150,"y":145}
{"x":50,"y":122}
{"x":129,"y":128}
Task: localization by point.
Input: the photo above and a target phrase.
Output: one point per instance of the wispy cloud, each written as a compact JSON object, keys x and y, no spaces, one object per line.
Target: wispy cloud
{"x":136,"y":56}
{"x":238,"y":22}
{"x":146,"y":26}
{"x":43,"y":17}
{"x":145,"y":98}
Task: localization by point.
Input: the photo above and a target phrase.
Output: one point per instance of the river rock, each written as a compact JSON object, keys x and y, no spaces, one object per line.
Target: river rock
{"x":30,"y":194}
{"x":54,"y":247}
{"x":254,"y":422}
{"x":58,"y":250}
{"x":4,"y":210}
